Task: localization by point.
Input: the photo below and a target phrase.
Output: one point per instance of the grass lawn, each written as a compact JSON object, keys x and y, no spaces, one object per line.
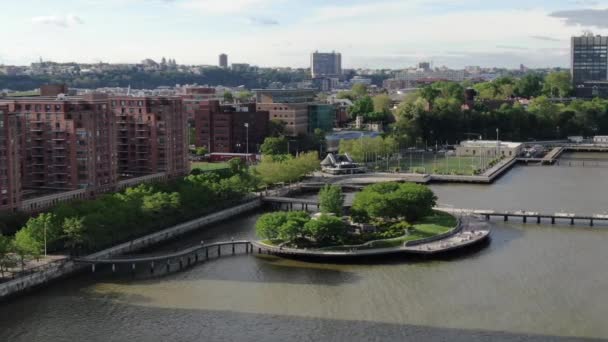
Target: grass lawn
{"x":205,"y":166}
{"x":433,"y":164}
{"x":438,"y":223}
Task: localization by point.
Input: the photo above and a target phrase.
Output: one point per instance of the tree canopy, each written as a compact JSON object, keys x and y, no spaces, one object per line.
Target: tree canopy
{"x":331,"y":199}
{"x":274,"y":146}
{"x":392,"y":201}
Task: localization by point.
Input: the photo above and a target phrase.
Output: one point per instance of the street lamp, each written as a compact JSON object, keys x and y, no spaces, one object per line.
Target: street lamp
{"x":497,"y":144}
{"x":247,"y":141}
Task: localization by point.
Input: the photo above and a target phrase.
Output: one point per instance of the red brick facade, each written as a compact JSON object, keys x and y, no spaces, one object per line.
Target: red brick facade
{"x":66,"y":142}
{"x":221,"y":128}
{"x":151,"y":136}
{"x":10,"y":179}
{"x":62,"y":143}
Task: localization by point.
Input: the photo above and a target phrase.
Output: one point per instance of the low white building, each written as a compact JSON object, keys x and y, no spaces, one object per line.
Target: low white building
{"x":491,"y":148}
{"x":600,"y":139}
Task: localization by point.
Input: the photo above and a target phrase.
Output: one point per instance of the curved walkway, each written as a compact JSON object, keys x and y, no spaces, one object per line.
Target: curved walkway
{"x":176,"y":255}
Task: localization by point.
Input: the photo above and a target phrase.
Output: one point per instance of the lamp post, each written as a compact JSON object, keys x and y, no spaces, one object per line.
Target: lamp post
{"x":247,"y":141}
{"x":497,"y":144}
{"x":45,"y":237}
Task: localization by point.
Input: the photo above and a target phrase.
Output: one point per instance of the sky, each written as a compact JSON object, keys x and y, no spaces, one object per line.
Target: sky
{"x":368,"y":33}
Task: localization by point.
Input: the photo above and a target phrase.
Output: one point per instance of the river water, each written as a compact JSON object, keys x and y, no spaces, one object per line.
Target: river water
{"x":533,"y":282}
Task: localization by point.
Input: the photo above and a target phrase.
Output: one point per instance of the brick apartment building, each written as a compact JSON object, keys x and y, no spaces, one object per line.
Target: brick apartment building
{"x":151,"y":135}
{"x":222,"y":128}
{"x":297,"y":108}
{"x":192,"y":96}
{"x":10,"y":177}
{"x":289,"y":106}
{"x":66,"y":143}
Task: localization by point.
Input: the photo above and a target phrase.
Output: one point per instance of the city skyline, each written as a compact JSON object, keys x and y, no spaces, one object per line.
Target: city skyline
{"x":385,"y":34}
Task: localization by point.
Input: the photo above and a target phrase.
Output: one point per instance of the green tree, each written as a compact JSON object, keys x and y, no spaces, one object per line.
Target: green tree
{"x":531,"y":85}
{"x":228,"y":97}
{"x":293,"y":228}
{"x":331,"y":199}
{"x":74,"y":232}
{"x":237,"y":166}
{"x":390,"y":201}
{"x":27,"y":246}
{"x":278,"y":170}
{"x":326,"y":229}
{"x":382,"y":103}
{"x":558,"y":84}
{"x":244,"y":96}
{"x":200,"y":151}
{"x":6,"y":248}
{"x":268,"y":225}
{"x":429,"y":94}
{"x":274,"y":146}
{"x":346,"y":95}
{"x":276,"y":128}
{"x":361,"y":107}
{"x":359,"y":90}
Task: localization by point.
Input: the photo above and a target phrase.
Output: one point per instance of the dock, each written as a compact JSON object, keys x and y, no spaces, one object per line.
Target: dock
{"x":531,"y":216}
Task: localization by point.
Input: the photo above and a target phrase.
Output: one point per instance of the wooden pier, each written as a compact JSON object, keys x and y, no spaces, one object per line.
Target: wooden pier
{"x":172,"y":261}
{"x":530,"y":216}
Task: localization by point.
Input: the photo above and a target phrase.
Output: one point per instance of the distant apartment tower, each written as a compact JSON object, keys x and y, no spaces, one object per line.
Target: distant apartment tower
{"x":228,"y":128}
{"x":325,"y":64}
{"x":10,"y":176}
{"x":151,"y":135}
{"x":66,"y":143}
{"x":224,"y":61}
{"x":424,"y":66}
{"x":589,"y":65}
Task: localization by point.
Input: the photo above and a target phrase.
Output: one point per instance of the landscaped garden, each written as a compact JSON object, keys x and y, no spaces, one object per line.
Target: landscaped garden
{"x":383,"y":215}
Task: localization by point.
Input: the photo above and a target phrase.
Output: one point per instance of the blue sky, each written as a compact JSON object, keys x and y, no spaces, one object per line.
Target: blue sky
{"x":380,"y":33}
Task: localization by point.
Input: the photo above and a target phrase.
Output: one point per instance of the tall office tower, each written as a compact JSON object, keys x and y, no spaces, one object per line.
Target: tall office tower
{"x":10,"y":176}
{"x":66,"y":142}
{"x":151,"y":135}
{"x":325,"y":64}
{"x":589,"y":65}
{"x":224,"y":61}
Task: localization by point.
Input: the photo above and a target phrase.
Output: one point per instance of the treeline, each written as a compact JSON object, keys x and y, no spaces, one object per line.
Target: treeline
{"x":436,"y":113}
{"x":85,"y":226}
{"x":285,"y":168}
{"x":152,"y":79}
{"x":90,"y":225}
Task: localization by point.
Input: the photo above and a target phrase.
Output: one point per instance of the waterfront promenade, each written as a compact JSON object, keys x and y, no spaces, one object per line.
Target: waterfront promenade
{"x":61,"y":269}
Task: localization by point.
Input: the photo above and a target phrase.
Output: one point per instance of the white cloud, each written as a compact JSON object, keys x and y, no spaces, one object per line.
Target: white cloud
{"x":58,"y":20}
{"x":223,"y":6}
